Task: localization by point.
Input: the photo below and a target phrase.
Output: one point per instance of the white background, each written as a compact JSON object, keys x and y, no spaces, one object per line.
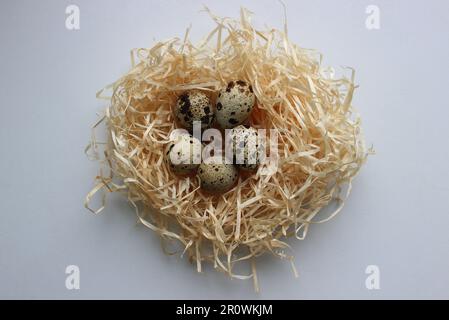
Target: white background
{"x":396,"y":217}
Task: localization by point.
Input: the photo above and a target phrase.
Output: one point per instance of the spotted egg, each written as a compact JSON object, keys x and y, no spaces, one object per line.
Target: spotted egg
{"x":216,"y":176}
{"x":234,"y":104}
{"x":247,"y":147}
{"x":183,"y":154}
{"x":194,"y":106}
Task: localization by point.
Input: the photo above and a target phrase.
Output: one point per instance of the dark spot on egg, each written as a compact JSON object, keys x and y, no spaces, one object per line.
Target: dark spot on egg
{"x":219,"y":106}
{"x":230,"y":86}
{"x":205,"y":119}
{"x":232,"y":121}
{"x":185,"y":103}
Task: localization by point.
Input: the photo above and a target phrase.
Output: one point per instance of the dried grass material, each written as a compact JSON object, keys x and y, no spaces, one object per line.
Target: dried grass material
{"x":321,"y":146}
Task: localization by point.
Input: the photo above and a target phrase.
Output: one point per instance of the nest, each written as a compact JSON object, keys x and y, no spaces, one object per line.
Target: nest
{"x":321,"y":147}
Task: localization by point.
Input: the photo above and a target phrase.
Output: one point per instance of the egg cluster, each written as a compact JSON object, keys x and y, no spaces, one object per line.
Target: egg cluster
{"x":233,"y":107}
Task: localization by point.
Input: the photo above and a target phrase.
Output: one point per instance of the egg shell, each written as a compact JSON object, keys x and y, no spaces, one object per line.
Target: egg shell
{"x":247,"y":147}
{"x":216,"y":176}
{"x":234,"y":104}
{"x":184,"y":154}
{"x":194,"y":106}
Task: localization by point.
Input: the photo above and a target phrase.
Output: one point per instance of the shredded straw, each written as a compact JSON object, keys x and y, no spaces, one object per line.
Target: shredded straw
{"x":321,"y":147}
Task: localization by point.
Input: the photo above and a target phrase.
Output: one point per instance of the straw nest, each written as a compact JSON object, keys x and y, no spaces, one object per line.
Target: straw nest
{"x":320,"y":149}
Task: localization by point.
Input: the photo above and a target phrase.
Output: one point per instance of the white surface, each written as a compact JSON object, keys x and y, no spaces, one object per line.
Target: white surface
{"x":396,"y":217}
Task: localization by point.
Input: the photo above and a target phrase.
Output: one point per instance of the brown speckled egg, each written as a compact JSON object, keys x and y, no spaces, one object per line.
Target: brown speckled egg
{"x":216,"y":176}
{"x":184,"y":154}
{"x":246,"y":147}
{"x":194,"y":106}
{"x":234,"y":104}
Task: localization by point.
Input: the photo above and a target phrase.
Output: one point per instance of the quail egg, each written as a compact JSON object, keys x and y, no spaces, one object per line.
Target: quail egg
{"x":216,"y":176}
{"x":194,"y":106}
{"x":183,"y":155}
{"x":247,"y":147}
{"x":234,"y":104}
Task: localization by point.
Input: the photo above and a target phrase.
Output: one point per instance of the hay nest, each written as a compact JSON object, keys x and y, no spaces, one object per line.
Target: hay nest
{"x":321,"y":147}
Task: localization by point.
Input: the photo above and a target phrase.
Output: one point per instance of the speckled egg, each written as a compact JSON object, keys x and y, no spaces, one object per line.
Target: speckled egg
{"x":184,"y":154}
{"x":247,"y":147}
{"x":234,"y":104}
{"x":194,"y":106}
{"x":216,"y":176}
